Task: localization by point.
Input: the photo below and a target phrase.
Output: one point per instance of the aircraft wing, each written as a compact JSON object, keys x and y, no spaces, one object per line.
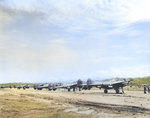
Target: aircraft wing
{"x":62,"y":86}
{"x":99,"y":84}
{"x":119,"y":83}
{"x":67,"y":85}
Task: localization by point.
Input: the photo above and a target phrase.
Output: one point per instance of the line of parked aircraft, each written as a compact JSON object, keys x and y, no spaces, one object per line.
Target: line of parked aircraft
{"x":117,"y":85}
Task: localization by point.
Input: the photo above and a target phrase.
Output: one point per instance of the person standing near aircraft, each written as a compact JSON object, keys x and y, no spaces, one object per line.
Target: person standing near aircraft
{"x":148,"y":89}
{"x":144,"y":89}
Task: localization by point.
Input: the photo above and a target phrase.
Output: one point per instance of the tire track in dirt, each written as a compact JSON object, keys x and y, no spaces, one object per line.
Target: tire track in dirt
{"x":98,"y":106}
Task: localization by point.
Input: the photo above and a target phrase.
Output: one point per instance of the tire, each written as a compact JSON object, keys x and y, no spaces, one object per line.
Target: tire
{"x":105,"y":91}
{"x":79,"y":89}
{"x":117,"y":91}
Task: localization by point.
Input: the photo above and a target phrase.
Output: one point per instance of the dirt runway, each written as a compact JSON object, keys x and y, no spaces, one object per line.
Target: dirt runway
{"x":94,"y":103}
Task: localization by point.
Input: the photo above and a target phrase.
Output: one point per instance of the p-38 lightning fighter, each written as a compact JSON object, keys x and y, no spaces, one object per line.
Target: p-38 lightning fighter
{"x":6,"y":87}
{"x":26,"y":86}
{"x":74,"y":85}
{"x":52,"y":86}
{"x":49,"y":86}
{"x":40,"y":86}
{"x":113,"y":84}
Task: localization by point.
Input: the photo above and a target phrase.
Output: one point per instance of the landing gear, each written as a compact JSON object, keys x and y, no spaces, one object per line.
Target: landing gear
{"x":122,"y":89}
{"x":117,"y":91}
{"x":39,"y":89}
{"x":105,"y":91}
{"x":79,"y":89}
{"x":89,"y":88}
{"x":73,"y":89}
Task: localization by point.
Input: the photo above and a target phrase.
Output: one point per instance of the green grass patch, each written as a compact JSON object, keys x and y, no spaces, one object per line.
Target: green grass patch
{"x":141,"y":81}
{"x":15,"y":84}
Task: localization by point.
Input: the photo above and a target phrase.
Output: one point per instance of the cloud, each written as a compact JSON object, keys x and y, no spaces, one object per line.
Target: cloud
{"x":32,"y":59}
{"x":123,"y":58}
{"x":140,"y":51}
{"x":120,"y":12}
{"x":102,"y":16}
{"x":60,"y":39}
{"x":135,"y":71}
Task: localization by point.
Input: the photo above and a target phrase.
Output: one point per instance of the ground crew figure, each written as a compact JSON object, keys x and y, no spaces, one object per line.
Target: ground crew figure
{"x":148,"y":89}
{"x":144,"y":89}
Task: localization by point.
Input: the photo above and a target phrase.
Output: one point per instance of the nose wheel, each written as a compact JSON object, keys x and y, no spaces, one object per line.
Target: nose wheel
{"x":105,"y":91}
{"x":117,"y":91}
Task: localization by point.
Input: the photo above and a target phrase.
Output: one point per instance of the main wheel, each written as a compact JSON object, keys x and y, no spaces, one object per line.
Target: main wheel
{"x":73,"y":89}
{"x":105,"y":91}
{"x":117,"y":91}
{"x":39,"y":88}
{"x":79,"y":89}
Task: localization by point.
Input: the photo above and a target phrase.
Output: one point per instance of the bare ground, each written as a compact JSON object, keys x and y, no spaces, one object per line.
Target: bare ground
{"x":93,"y":103}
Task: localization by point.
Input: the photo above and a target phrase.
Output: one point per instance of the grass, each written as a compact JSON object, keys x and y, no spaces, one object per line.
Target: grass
{"x":15,"y":84}
{"x":16,"y":105}
{"x":141,"y":81}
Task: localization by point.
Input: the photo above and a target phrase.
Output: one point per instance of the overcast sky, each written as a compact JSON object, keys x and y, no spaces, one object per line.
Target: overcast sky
{"x":64,"y":40}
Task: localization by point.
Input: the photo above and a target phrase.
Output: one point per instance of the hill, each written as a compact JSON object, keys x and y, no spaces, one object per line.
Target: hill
{"x":141,"y":81}
{"x":14,"y":84}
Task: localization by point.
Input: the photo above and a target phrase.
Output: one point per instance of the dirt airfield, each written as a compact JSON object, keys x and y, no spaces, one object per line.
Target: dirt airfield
{"x":32,"y":103}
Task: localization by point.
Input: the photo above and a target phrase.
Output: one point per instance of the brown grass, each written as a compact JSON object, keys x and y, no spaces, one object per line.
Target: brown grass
{"x":16,"y":105}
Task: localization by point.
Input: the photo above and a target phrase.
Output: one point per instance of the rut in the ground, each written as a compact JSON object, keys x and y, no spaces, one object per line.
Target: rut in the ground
{"x":102,"y":106}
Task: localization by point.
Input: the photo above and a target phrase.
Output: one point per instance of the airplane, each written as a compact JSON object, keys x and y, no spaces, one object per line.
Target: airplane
{"x":26,"y":86}
{"x":6,"y":87}
{"x":41,"y":86}
{"x":52,"y":87}
{"x":74,"y":85}
{"x":22,"y":86}
{"x":2,"y":87}
{"x":88,"y":85}
{"x":19,"y":87}
{"x":113,"y":84}
{"x":49,"y":86}
{"x":35,"y":86}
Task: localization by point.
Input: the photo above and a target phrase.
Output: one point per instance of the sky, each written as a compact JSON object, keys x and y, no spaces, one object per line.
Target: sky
{"x":67,"y":40}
